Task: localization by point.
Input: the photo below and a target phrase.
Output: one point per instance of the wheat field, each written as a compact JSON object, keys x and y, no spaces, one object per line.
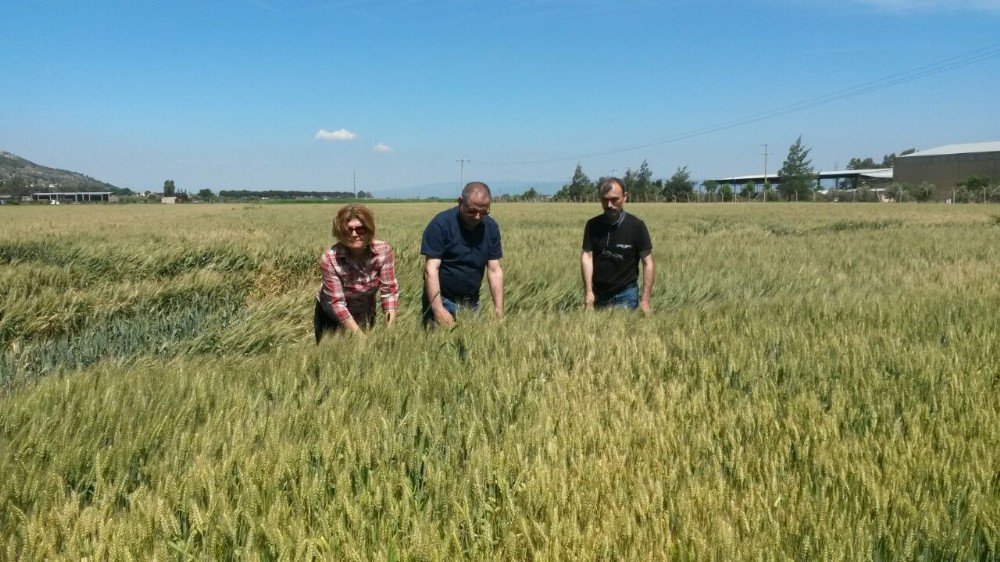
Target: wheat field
{"x":816,"y":382}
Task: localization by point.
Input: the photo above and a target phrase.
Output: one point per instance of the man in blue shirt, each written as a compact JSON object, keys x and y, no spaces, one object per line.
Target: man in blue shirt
{"x":459,"y":245}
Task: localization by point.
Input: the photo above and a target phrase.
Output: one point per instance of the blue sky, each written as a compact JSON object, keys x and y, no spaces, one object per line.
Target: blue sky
{"x":299,"y":95}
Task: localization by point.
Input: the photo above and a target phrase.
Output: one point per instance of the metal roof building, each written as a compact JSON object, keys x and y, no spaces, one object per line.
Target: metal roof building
{"x":76,"y":196}
{"x":947,"y":166}
{"x":854,"y":176}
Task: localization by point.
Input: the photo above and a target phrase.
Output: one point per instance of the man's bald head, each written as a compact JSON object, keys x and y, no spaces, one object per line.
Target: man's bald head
{"x":474,"y":204}
{"x":476,"y":189}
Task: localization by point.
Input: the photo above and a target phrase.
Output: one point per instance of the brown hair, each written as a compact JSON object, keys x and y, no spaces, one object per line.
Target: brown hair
{"x":348,"y":213}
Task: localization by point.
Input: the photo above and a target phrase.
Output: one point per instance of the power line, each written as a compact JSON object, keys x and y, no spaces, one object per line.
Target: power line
{"x":943,"y":65}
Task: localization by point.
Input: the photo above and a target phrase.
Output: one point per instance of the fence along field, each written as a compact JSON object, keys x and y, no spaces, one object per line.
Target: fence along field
{"x":817,"y":382}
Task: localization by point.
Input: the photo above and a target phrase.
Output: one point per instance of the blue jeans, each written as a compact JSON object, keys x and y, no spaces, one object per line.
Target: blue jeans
{"x":452,"y":305}
{"x":626,"y":298}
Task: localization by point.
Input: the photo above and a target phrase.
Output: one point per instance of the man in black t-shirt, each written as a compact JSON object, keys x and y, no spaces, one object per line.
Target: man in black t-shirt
{"x":614,"y":243}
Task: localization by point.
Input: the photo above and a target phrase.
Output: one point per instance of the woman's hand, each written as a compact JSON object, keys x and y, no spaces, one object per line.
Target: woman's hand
{"x":353,"y":328}
{"x":390,"y":318}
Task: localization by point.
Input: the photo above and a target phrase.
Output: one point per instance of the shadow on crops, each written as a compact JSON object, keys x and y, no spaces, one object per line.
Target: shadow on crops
{"x":154,"y":332}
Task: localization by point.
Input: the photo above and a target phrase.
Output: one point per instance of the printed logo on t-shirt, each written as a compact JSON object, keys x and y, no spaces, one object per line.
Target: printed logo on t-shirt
{"x":623,"y":246}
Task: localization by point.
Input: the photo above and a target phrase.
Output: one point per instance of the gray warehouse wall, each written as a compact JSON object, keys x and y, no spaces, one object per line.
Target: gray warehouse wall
{"x":945,"y":171}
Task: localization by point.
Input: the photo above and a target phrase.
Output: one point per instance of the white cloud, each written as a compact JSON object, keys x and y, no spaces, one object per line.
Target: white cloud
{"x":381,"y":147}
{"x":338,"y":135}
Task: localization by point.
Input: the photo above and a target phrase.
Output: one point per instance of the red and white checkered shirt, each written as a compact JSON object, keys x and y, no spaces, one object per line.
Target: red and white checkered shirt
{"x":351,"y":287}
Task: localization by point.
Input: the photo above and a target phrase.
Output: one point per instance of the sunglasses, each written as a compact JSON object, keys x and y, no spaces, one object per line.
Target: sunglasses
{"x":612,"y":256}
{"x":472,"y":212}
{"x":359,"y":230}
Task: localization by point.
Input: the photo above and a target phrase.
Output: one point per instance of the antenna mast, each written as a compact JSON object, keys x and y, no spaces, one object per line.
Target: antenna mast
{"x":461,"y":171}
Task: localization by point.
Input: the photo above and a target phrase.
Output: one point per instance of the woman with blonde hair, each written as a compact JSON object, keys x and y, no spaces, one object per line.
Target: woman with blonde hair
{"x":354,"y":269}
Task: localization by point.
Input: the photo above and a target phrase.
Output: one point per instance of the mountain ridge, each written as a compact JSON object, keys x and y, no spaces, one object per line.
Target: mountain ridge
{"x":30,"y":177}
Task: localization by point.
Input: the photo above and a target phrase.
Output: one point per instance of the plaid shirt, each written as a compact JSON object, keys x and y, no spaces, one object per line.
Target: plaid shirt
{"x":350,"y":287}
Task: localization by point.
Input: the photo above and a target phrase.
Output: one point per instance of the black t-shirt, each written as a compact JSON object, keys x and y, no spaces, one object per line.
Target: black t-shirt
{"x":617,"y":250}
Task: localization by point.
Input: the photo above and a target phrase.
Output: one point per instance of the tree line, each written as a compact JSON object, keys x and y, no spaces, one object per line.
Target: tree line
{"x":796,"y":181}
{"x":796,"y":176}
{"x":639,"y":184}
{"x":888,"y":161}
{"x":170,"y":190}
{"x":286,"y":194}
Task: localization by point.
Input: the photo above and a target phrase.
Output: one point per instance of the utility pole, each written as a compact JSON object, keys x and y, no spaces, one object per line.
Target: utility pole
{"x":461,"y":171}
{"x":766,"y":183}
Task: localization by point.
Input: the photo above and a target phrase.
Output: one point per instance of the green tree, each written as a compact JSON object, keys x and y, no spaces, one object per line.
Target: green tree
{"x":975,"y":183}
{"x":206,"y":193}
{"x":642,"y":182}
{"x":15,"y":187}
{"x":922,"y":192}
{"x":859,"y":164}
{"x":680,"y":184}
{"x":580,"y":188}
{"x":628,"y":178}
{"x":889,"y":160}
{"x":710,"y":187}
{"x":796,"y":174}
{"x":726,"y":193}
{"x":530,"y":195}
{"x":168,"y":188}
{"x":748,"y":190}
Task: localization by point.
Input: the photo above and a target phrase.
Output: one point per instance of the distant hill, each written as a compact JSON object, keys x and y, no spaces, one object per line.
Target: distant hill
{"x":18,"y":174}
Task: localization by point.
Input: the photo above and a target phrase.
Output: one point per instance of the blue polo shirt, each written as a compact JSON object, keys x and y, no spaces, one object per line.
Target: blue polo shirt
{"x":463,"y":253}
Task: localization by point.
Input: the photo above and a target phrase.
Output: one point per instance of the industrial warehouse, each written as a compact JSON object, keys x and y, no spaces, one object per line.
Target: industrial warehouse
{"x":948,"y":166}
{"x":944,"y":168}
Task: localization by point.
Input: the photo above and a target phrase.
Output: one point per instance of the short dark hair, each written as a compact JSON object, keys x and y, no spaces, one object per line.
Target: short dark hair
{"x":475,"y":187}
{"x":607,"y":184}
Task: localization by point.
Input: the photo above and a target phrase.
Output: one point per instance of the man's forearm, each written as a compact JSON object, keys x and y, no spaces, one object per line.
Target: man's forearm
{"x":433,"y":284}
{"x":648,"y":275}
{"x":495,"y":278}
{"x":587,"y":271}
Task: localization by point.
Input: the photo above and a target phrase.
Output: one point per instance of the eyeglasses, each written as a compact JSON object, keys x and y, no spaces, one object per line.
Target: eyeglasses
{"x":359,"y":230}
{"x":473,"y":212}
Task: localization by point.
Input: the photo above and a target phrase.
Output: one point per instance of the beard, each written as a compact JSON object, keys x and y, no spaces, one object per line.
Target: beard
{"x":612,"y":215}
